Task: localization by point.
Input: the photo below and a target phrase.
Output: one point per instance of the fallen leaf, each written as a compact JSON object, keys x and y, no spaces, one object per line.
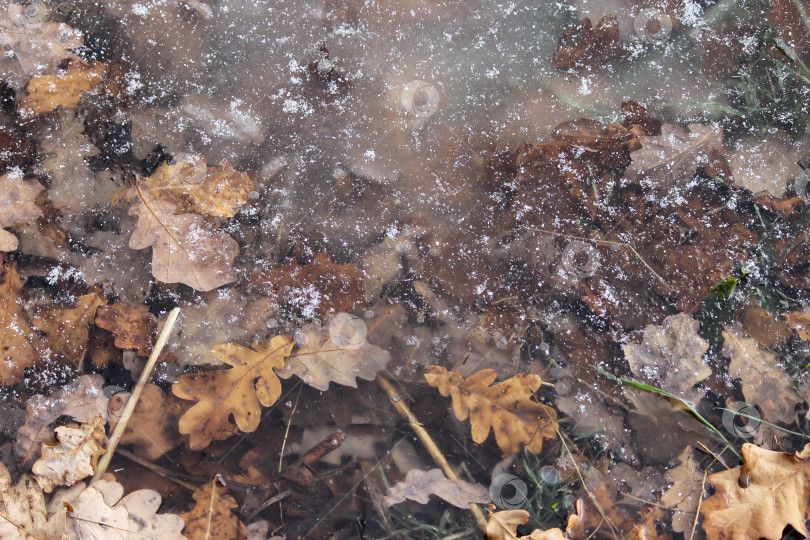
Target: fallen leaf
{"x":23,"y":514}
{"x":47,"y":92}
{"x":683,"y":496}
{"x":504,"y":407}
{"x":238,"y":391}
{"x":74,"y":457}
{"x":17,"y":205}
{"x":77,"y":399}
{"x":193,"y":186}
{"x":319,"y":287}
{"x":319,"y":359}
{"x":211,"y":518}
{"x":134,"y":328}
{"x":582,"y":45}
{"x":420,"y":485}
{"x":768,"y":164}
{"x":206,"y":321}
{"x":152,"y":430}
{"x":184,"y":250}
{"x":101,"y":513}
{"x":67,"y":329}
{"x":16,"y":333}
{"x":799,"y":321}
{"x":669,"y":160}
{"x":503,"y":526}
{"x":761,"y":497}
{"x":764,"y":382}
{"x":671,"y":356}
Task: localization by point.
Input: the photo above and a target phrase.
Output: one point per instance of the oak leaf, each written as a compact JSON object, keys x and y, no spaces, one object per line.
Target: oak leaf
{"x":17,"y":336}
{"x":684,"y":494}
{"x":671,"y":356}
{"x":74,"y":457}
{"x":67,"y":329}
{"x":152,"y":430}
{"x":758,"y":499}
{"x":664,"y":161}
{"x":23,"y":514}
{"x":504,"y":407}
{"x":238,"y":391}
{"x":326,"y":355}
{"x":47,"y":92}
{"x":420,"y":485}
{"x":503,"y":526}
{"x":799,"y":321}
{"x":17,"y":205}
{"x":100,"y":512}
{"x":211,"y":518}
{"x":764,"y":382}
{"x":184,"y":250}
{"x":77,"y":399}
{"x":195,"y":187}
{"x":134,"y":328}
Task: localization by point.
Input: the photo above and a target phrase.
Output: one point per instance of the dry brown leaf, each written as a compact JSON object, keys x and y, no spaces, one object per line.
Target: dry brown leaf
{"x":195,"y":187}
{"x":684,"y":494}
{"x":17,"y":205}
{"x":77,"y":399}
{"x":667,"y":160}
{"x":758,"y":499}
{"x":503,"y":526}
{"x":101,"y":513}
{"x":238,"y":391}
{"x":23,"y":515}
{"x":152,"y":430}
{"x":764,"y":382}
{"x":800,"y":321}
{"x":671,"y":356}
{"x":420,"y":485}
{"x":67,"y":329}
{"x":47,"y":92}
{"x":74,"y":457}
{"x":211,"y":518}
{"x":504,"y":407}
{"x":17,"y":336}
{"x":184,"y":250}
{"x":319,"y":360}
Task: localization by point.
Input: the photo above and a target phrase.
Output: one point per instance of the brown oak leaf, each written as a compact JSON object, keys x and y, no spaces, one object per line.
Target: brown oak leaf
{"x":503,"y":526}
{"x":420,"y":485}
{"x":238,"y":391}
{"x":47,"y":92}
{"x":317,"y":288}
{"x":17,"y":205}
{"x":211,"y":518}
{"x":671,"y":356}
{"x":184,"y":250}
{"x":582,"y":45}
{"x":505,"y":407}
{"x":134,"y":328}
{"x":23,"y":515}
{"x":17,"y":336}
{"x":327,"y":354}
{"x":799,"y":321}
{"x":74,"y":457}
{"x":195,"y":187}
{"x":761,"y":497}
{"x":667,"y":160}
{"x":152,"y":430}
{"x":67,"y":329}
{"x":764,"y":382}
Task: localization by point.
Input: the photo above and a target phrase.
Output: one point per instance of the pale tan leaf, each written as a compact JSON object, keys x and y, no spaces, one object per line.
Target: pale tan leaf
{"x":505,"y":407}
{"x":764,"y":382}
{"x":319,"y":359}
{"x":75,"y":456}
{"x":503,"y":526}
{"x":799,"y":321}
{"x":47,"y":92}
{"x":239,"y":391}
{"x":671,"y":356}
{"x":684,"y":494}
{"x":17,"y":336}
{"x":23,"y":515}
{"x":211,"y":518}
{"x":420,"y":485}
{"x":17,"y":205}
{"x":758,"y":499}
{"x":184,"y":250}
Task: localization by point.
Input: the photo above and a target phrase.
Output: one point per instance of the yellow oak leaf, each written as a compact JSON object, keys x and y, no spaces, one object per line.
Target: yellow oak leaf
{"x":194,"y":186}
{"x":761,"y":497}
{"x":184,"y":250}
{"x":23,"y":515}
{"x":503,"y":526}
{"x":16,"y":333}
{"x":47,"y":92}
{"x":238,"y":391}
{"x":17,"y":205}
{"x":73,"y":458}
{"x":504,"y":407}
{"x":211,"y":518}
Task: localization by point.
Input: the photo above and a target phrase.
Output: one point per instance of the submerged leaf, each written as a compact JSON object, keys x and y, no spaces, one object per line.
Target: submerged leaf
{"x":17,"y":205}
{"x":16,"y":334}
{"x":47,"y":92}
{"x":420,"y":485}
{"x":211,"y":518}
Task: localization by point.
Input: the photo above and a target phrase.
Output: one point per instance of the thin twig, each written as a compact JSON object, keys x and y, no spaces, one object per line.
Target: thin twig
{"x":716,"y":457}
{"x":157,"y":469}
{"x":430,"y":445}
{"x":136,"y":393}
{"x":287,"y":431}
